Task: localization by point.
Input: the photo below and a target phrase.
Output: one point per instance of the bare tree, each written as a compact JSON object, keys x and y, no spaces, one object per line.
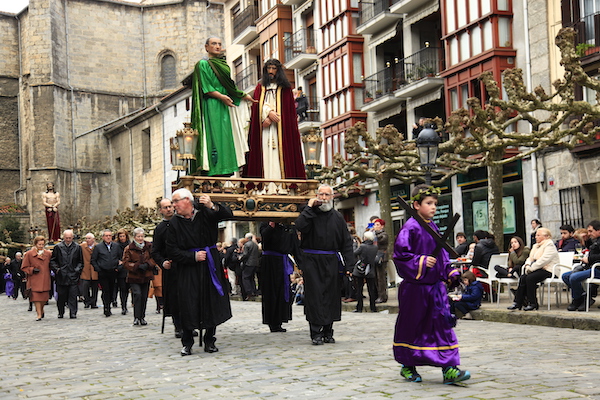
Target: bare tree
{"x":510,"y":129}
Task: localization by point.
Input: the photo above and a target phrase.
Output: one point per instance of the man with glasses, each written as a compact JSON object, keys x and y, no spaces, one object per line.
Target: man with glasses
{"x":327,"y":253}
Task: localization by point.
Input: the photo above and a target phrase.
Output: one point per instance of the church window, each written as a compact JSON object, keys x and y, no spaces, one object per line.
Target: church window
{"x":168,"y":72}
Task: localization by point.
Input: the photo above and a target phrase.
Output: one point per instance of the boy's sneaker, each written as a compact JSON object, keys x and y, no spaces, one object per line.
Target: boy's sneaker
{"x":410,"y":374}
{"x":455,"y":375}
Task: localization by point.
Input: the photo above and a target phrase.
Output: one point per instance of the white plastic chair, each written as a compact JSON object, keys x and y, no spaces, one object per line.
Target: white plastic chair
{"x":496,"y":259}
{"x":565,"y":264}
{"x":588,"y":282}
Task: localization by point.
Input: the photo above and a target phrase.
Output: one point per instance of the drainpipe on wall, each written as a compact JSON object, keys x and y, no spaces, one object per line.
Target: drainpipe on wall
{"x":19,"y":127}
{"x":131,"y":165}
{"x":166,"y":191}
{"x":144,"y":59}
{"x":534,"y":170}
{"x":73,"y":134}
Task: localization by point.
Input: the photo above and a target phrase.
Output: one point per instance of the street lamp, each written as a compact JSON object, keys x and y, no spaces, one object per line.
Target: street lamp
{"x":312,"y":141}
{"x":427,"y":144}
{"x":185,"y":149}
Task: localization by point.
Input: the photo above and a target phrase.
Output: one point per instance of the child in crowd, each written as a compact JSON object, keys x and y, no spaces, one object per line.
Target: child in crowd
{"x":470,"y":299}
{"x":424,"y":334}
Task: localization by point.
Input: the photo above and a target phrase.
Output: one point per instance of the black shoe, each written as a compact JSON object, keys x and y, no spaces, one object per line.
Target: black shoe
{"x":94,"y":307}
{"x":87,"y":306}
{"x":278,"y":329}
{"x":210,"y":348}
{"x":107,"y":313}
{"x":514,"y":307}
{"x":328,"y":339}
{"x":30,"y":307}
{"x":178,"y":334}
{"x":61,"y":315}
{"x":576,"y":303}
{"x":355,"y":310}
{"x":317,"y":341}
{"x":136,"y":321}
{"x":194,"y":333}
{"x":582,"y":306}
{"x":531,"y":307}
{"x":186,"y":351}
{"x":143,"y":321}
{"x":73,"y":316}
{"x":114,"y":304}
{"x":124,"y":311}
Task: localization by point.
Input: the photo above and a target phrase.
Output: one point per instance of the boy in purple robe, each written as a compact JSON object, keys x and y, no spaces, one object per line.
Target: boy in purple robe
{"x":424,"y":334}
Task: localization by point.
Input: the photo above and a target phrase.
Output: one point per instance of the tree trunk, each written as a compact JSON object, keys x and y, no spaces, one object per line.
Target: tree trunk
{"x":385,"y":208}
{"x":495,"y":194}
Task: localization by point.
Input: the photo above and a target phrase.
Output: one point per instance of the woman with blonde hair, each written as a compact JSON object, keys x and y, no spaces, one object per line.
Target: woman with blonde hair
{"x":36,"y":264}
{"x":542,"y":258}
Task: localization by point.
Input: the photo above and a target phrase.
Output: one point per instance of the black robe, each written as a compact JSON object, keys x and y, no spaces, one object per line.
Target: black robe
{"x":323,"y":231}
{"x":169,"y":276}
{"x":282,"y":239}
{"x":200,"y":305}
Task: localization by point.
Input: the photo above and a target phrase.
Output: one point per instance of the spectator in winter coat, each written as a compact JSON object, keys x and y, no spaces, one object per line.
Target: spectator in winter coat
{"x":471,"y":297}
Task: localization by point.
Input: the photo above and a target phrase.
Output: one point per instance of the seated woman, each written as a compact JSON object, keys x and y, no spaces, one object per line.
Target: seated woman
{"x":538,"y":267}
{"x":517,"y":255}
{"x":471,"y":297}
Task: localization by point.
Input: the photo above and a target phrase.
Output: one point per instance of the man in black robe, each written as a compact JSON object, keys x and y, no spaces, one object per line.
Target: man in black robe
{"x":169,"y":275}
{"x":278,"y":241}
{"x":201,"y":282}
{"x":326,"y":250}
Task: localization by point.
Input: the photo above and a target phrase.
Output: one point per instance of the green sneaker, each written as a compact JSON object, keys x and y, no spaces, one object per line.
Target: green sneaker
{"x":455,"y":375}
{"x":410,"y":374}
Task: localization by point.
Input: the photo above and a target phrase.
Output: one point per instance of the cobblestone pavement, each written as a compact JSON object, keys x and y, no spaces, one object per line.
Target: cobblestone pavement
{"x":93,"y":357}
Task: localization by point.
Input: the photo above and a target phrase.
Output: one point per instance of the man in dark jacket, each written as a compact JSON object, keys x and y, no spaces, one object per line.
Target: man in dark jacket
{"x":567,"y":242}
{"x":249,"y":261}
{"x":484,"y":249}
{"x":67,"y":263}
{"x":18,"y":276}
{"x":105,"y":260}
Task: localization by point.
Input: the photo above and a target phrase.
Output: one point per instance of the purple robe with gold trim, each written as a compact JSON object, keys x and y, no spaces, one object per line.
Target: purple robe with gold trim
{"x":423,"y":334}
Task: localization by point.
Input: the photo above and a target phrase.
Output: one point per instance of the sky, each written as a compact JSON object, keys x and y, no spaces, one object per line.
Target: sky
{"x":13,"y":6}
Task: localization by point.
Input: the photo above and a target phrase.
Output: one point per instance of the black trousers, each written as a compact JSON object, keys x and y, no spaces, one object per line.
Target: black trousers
{"x":528,"y":285}
{"x":122,"y":287}
{"x":67,"y":295}
{"x":371,"y":288}
{"x":248,"y":282}
{"x":187,"y":336}
{"x":321,"y":331}
{"x":90,"y":292}
{"x":139,"y":293}
{"x":107,"y":280}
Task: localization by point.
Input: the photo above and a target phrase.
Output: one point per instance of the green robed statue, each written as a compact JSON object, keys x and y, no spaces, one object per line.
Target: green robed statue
{"x":217,"y":115}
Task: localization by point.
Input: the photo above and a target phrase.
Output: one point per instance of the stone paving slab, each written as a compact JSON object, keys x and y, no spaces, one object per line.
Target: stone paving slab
{"x":94,"y":357}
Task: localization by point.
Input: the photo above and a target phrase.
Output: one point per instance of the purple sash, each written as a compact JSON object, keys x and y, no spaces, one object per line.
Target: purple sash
{"x":337,"y":253}
{"x":288,"y":269}
{"x":212,"y":268}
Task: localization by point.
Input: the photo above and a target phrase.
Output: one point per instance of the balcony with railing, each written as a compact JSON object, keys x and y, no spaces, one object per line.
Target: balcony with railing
{"x":312,"y":117}
{"x":379,"y":90}
{"x":244,"y":26}
{"x":419,"y":73}
{"x":247,"y":78}
{"x":375,"y":16}
{"x":299,"y":49}
{"x":292,"y":2}
{"x":407,"y":6}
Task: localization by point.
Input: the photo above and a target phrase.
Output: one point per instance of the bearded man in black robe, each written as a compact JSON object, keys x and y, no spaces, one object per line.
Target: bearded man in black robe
{"x":278,"y":243}
{"x":326,"y":251}
{"x":201,"y":283}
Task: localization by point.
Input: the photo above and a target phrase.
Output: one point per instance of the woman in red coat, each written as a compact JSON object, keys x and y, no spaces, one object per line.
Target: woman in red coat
{"x":36,"y":264}
{"x":140,"y":266}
